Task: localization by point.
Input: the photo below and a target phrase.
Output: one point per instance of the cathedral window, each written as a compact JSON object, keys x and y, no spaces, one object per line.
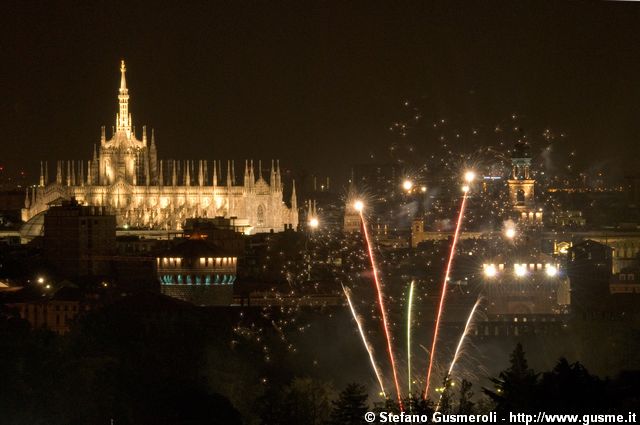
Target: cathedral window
{"x":260,"y":215}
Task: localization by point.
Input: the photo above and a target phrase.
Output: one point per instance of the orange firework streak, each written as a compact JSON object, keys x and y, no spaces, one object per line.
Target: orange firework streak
{"x":382,"y":310}
{"x":444,"y":291}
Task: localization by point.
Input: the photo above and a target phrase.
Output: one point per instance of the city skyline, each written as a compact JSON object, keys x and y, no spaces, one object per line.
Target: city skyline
{"x":438,"y":214}
{"x":236,"y":82}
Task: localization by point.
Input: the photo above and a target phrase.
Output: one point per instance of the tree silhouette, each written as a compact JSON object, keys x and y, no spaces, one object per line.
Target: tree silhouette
{"x":516,"y":387}
{"x":571,"y":388}
{"x":465,"y":405}
{"x":350,"y":407}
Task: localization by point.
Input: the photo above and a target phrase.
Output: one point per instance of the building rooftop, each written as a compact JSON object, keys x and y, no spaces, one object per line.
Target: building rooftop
{"x":194,"y":248}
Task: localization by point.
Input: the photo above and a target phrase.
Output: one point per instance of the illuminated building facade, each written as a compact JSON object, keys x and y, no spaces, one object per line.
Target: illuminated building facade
{"x":529,"y":286}
{"x":522,"y":185}
{"x":197,"y":271}
{"x":126,"y":177}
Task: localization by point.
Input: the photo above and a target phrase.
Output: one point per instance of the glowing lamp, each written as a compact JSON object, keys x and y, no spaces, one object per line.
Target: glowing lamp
{"x":521,"y":270}
{"x":358,"y":206}
{"x":551,"y":270}
{"x":490,"y":271}
{"x":465,"y":188}
{"x":314,"y":223}
{"x":407,"y":185}
{"x":469,"y":176}
{"x":510,"y":233}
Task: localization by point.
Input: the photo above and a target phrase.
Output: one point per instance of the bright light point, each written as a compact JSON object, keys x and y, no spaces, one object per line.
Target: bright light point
{"x":490,"y":271}
{"x":48,"y":286}
{"x":469,"y":176}
{"x":358,"y":205}
{"x":314,"y":223}
{"x":41,"y":280}
{"x":551,"y":270}
{"x":521,"y":270}
{"x":407,"y":185}
{"x":465,"y":188}
{"x":423,"y":189}
{"x":510,"y":233}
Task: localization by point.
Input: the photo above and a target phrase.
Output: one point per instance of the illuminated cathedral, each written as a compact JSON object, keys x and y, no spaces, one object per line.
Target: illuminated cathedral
{"x":143,"y":192}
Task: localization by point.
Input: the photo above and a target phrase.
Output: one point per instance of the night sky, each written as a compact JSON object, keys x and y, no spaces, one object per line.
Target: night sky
{"x":316,"y":84}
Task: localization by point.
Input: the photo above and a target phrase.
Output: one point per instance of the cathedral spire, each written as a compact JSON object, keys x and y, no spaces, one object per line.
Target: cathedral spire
{"x":272,"y":177}
{"x":123,"y":80}
{"x":41,"y":174}
{"x":59,"y":172}
{"x":153,"y":158}
{"x":278,"y":176}
{"x":205,"y":172}
{"x":294,"y":198}
{"x":174,"y":174}
{"x":215,"y":174}
{"x":228,"y":173}
{"x":123,"y":122}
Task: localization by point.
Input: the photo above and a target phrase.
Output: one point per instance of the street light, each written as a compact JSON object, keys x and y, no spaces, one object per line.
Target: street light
{"x":490,"y":271}
{"x":358,"y":205}
{"x":469,"y":176}
{"x":521,"y":270}
{"x":407,"y":185}
{"x":510,"y":233}
{"x":551,"y":270}
{"x":314,"y":223}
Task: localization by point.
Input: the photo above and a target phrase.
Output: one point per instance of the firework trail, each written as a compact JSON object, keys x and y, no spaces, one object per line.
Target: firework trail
{"x":364,"y":341}
{"x":382,"y":309}
{"x":444,"y":291}
{"x":409,"y":334}
{"x":456,"y":355}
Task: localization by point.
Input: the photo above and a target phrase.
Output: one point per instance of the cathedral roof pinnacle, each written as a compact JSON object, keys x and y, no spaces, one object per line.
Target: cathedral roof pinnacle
{"x":123,"y":80}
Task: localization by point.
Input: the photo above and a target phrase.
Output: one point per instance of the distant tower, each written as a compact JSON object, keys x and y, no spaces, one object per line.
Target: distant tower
{"x":521,"y":185}
{"x":351,"y":216}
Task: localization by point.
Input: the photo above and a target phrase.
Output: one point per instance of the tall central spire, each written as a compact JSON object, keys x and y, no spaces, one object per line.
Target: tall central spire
{"x":123,"y":119}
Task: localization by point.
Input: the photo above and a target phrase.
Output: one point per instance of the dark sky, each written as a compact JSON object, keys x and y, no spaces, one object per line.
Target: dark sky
{"x":315,"y":84}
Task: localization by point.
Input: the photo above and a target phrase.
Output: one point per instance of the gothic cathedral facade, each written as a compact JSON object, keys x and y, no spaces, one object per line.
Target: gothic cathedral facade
{"x":143,"y":192}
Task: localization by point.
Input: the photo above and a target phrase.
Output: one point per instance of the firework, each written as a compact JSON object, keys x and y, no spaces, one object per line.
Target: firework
{"x":364,"y":341}
{"x":409,"y":335}
{"x":465,"y":189}
{"x":456,"y":354}
{"x":359,"y":207}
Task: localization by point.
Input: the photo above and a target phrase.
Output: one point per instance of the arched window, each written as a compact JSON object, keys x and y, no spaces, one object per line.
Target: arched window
{"x":520,"y":197}
{"x":260,"y":215}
